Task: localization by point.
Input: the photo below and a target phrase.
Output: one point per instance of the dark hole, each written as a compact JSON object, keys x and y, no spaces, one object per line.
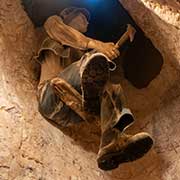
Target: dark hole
{"x":141,"y":61}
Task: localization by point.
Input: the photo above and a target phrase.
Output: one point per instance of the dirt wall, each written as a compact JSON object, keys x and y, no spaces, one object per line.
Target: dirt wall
{"x":32,"y":148}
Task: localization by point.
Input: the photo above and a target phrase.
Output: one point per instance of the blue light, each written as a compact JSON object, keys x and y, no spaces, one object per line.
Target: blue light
{"x":93,"y":1}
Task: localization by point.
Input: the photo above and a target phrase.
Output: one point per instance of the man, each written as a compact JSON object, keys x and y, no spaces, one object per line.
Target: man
{"x":72,"y":90}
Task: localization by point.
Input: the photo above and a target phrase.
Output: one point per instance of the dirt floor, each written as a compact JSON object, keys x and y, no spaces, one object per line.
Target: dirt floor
{"x":34,"y":149}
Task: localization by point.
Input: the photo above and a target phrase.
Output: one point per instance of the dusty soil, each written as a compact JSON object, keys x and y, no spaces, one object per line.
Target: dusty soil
{"x":32,"y":148}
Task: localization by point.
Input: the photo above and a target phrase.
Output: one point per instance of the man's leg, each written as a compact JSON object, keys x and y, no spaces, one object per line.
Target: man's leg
{"x":117,"y":147}
{"x":87,"y":76}
{"x":51,"y":106}
{"x":114,"y":109}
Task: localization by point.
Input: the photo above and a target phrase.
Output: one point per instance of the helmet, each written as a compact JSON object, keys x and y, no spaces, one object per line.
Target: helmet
{"x":69,"y":13}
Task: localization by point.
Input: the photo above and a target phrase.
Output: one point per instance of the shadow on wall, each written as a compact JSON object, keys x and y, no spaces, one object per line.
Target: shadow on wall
{"x":141,"y":62}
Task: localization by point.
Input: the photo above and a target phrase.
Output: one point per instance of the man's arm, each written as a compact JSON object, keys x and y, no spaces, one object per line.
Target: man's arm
{"x":67,"y":35}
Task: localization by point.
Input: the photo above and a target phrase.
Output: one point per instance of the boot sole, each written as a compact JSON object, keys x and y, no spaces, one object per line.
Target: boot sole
{"x":132,"y":152}
{"x":94,"y":79}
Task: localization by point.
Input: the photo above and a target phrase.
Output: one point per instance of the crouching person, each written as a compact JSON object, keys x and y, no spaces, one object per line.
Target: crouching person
{"x":74,"y":87}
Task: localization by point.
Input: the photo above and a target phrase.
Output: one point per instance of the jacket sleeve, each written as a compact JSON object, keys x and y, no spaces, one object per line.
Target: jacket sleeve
{"x":65,"y":34}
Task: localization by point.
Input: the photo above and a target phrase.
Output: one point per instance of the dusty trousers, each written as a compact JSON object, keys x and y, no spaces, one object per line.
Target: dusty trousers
{"x":90,"y":78}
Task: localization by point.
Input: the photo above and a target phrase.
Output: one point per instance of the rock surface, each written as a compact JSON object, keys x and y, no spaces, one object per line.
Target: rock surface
{"x":34,"y":149}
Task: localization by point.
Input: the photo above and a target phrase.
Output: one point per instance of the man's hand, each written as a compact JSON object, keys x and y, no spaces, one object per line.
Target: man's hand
{"x":108,"y":49}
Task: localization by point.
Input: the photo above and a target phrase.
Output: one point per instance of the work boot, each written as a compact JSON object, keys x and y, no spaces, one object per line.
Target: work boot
{"x":94,"y":72}
{"x":89,"y":76}
{"x":91,"y":70}
{"x":117,"y":148}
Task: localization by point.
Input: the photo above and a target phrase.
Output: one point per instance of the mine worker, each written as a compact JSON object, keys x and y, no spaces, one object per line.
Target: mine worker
{"x":74,"y":86}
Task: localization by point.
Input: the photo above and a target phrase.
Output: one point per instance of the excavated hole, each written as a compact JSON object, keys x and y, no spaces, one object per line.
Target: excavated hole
{"x":139,"y":64}
{"x":141,"y":61}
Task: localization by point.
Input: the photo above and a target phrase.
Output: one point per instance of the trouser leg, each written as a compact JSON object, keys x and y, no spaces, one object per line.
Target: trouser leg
{"x":51,"y":106}
{"x":54,"y":107}
{"x":114,"y":109}
{"x":116,"y":147}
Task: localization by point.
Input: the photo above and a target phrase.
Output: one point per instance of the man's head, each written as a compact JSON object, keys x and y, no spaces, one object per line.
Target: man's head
{"x":76,"y":17}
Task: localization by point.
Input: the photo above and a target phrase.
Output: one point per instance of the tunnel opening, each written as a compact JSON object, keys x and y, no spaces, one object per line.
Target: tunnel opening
{"x":141,"y":61}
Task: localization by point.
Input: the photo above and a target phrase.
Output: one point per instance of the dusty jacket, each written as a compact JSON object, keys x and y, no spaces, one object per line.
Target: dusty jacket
{"x":63,"y":40}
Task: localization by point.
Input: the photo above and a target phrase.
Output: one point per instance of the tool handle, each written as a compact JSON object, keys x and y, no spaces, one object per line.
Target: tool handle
{"x":130,"y":32}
